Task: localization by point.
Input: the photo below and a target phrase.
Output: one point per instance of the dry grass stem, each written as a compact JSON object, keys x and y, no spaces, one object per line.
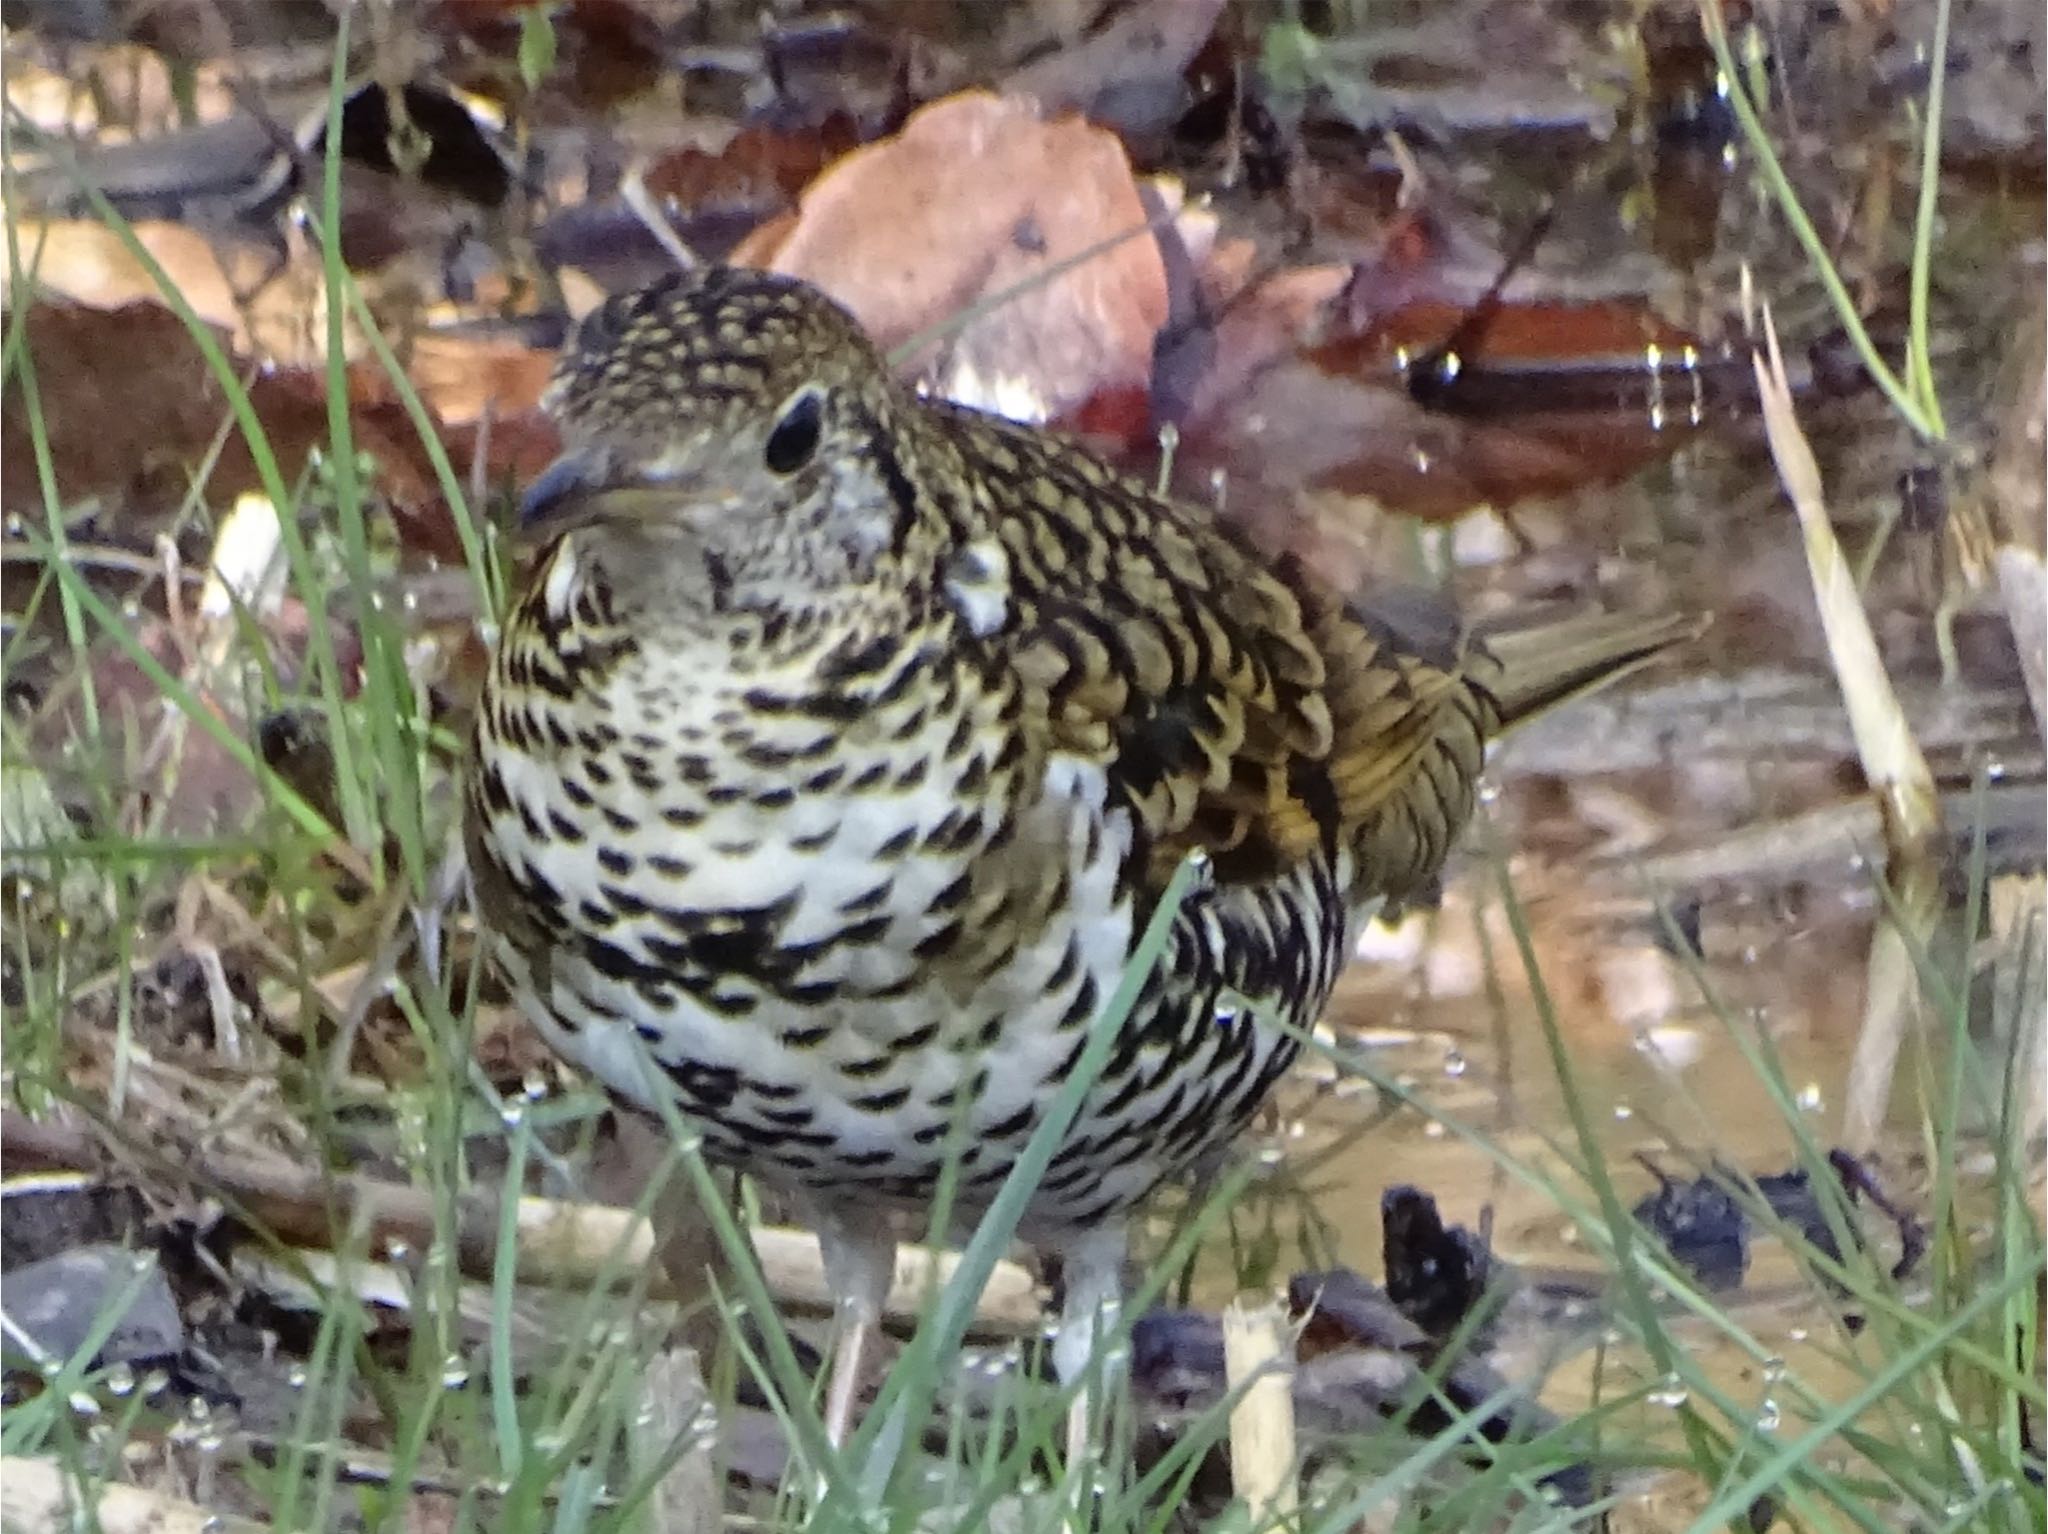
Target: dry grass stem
{"x":1892,"y":760}
{"x":1891,"y":757}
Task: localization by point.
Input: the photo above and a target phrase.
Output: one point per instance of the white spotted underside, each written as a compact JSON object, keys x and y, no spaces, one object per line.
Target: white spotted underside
{"x":908,"y":1058}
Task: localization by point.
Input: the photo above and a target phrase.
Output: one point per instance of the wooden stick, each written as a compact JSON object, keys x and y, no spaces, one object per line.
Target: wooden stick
{"x":560,"y":1243}
{"x":1258,"y":1365}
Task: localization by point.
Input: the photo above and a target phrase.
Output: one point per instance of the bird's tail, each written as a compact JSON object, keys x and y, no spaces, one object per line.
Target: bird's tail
{"x":1546,"y":663}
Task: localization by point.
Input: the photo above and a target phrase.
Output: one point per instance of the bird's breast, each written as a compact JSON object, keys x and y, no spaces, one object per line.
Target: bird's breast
{"x":831,"y":917}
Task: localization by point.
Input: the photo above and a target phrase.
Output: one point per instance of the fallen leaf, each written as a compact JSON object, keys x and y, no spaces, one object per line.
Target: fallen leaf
{"x":975,"y":196}
{"x":131,"y":411}
{"x":460,"y":377}
{"x":756,"y":176}
{"x":130,"y":408}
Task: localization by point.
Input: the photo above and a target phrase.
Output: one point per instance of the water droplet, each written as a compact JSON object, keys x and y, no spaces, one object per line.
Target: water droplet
{"x":1768,"y":1416}
{"x":1773,"y":1369}
{"x":119,"y":1380}
{"x":513,"y":1114}
{"x":397,"y":1249}
{"x":1994,"y":771}
{"x":1489,"y":793}
{"x":1225,"y":1015}
{"x":1623,"y":1113}
{"x":1749,"y":953}
{"x":1455,"y":1064}
{"x":155,"y":1383}
{"x":1670,"y":1392}
{"x":1433,"y":1130}
{"x":1201,"y":868}
{"x":1796,"y":1334}
{"x":535,"y":1086}
{"x":83,"y":1404}
{"x":1809,"y":1098}
{"x":295,"y":1376}
{"x":455,"y":1371}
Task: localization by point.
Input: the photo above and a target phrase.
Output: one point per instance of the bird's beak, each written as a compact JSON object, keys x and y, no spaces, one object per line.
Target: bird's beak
{"x":571,"y":479}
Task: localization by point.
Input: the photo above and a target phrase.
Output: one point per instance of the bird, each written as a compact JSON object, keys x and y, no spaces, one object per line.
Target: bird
{"x":840,"y":743}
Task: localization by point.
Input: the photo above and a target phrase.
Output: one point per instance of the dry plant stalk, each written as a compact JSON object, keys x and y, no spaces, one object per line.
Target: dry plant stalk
{"x":1891,"y":758}
{"x":560,"y":1243}
{"x":1893,"y":763}
{"x":1258,"y":1366}
{"x":36,"y":1499}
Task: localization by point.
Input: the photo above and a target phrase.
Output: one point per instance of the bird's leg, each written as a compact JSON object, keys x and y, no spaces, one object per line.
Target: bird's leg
{"x":1093,"y":1268}
{"x":859,"y":1248}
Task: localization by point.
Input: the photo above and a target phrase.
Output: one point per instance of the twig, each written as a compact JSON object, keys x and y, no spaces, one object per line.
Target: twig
{"x":1766,"y":712}
{"x":560,"y":1243}
{"x":1819,"y":842}
{"x":1258,"y":1365}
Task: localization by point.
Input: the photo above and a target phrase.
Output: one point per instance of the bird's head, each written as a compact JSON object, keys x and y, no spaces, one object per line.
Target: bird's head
{"x":730,"y":439}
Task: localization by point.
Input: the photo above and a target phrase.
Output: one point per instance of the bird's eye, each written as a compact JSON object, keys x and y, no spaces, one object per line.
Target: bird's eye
{"x":795,"y":437}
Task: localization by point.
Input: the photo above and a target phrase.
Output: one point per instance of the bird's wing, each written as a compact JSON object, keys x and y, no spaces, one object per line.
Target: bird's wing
{"x":1234,"y":709}
{"x":1411,"y":719}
